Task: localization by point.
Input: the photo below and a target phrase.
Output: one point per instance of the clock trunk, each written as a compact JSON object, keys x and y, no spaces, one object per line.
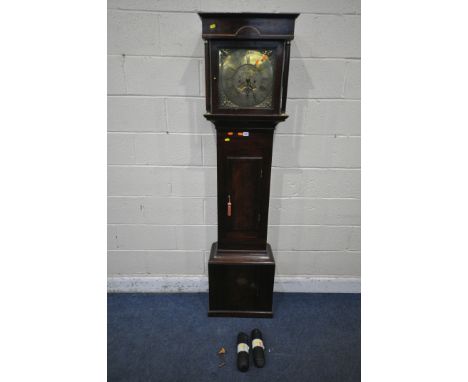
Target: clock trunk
{"x":244,"y":163}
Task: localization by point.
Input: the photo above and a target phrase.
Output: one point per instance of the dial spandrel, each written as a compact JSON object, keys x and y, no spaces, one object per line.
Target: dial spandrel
{"x":246,"y":78}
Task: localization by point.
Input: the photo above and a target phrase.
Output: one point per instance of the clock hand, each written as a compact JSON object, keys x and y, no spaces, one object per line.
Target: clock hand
{"x":249,"y":84}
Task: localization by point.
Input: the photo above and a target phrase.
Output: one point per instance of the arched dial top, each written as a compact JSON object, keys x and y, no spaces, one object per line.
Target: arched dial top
{"x":246,"y":78}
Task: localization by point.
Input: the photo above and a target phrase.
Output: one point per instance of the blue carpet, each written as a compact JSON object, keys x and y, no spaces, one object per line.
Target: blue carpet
{"x":168,"y":337}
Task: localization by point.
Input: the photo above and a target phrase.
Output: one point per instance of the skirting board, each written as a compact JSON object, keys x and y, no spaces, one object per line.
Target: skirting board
{"x":197,"y":284}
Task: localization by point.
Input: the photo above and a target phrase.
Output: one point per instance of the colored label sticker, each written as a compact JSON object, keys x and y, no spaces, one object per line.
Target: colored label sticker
{"x":257,"y":342}
{"x":245,"y":134}
{"x":212,"y":26}
{"x":242,"y":347}
{"x":227,"y":139}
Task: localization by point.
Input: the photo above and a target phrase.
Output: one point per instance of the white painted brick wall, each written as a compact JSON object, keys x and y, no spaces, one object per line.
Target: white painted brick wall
{"x":156,"y":149}
{"x":352,"y":88}
{"x":304,"y":6}
{"x":318,"y":237}
{"x":148,"y":75}
{"x":156,"y":237}
{"x":322,"y":117}
{"x":317,"y":78}
{"x":315,"y":183}
{"x":133,"y":33}
{"x":156,"y":262}
{"x":151,"y":210}
{"x":115,"y":75}
{"x":136,"y":114}
{"x":315,"y":211}
{"x":161,"y":181}
{"x":181,"y":33}
{"x":327,"y":36}
{"x":162,"y":152}
{"x":185,"y":115}
{"x":319,"y":263}
{"x":316,"y":151}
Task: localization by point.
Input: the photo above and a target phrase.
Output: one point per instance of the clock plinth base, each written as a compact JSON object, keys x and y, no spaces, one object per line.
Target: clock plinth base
{"x":237,"y":313}
{"x":241,"y":282}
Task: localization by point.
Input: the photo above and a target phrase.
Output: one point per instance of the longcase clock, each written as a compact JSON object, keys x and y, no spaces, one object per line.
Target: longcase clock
{"x":246,"y":71}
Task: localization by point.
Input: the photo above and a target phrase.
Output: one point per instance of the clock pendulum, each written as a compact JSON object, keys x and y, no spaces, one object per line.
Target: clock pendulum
{"x":246,"y":74}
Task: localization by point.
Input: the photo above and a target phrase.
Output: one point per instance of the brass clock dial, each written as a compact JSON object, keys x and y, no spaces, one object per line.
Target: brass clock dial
{"x":246,"y":78}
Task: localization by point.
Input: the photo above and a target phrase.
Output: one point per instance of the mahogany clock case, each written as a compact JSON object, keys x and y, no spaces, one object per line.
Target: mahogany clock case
{"x":241,"y":266}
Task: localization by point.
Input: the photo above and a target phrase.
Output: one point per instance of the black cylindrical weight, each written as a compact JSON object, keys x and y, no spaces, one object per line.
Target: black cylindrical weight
{"x":243,"y":352}
{"x":258,"y":348}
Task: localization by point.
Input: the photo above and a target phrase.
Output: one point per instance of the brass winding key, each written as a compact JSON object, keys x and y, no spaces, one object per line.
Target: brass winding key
{"x":229,"y":205}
